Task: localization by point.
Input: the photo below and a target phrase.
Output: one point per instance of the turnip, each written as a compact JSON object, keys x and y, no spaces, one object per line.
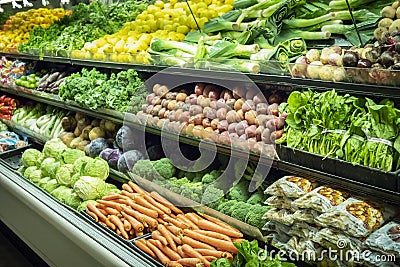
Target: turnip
{"x":313,"y":55}
{"x":335,"y":60}
{"x":262,"y":108}
{"x":313,"y":69}
{"x":300,"y":67}
{"x":326,"y":72}
{"x":326,"y":52}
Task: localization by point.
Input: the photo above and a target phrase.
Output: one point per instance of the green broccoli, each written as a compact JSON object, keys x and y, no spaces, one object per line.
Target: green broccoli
{"x":164,"y":168}
{"x":214,"y":205}
{"x":211,"y":177}
{"x":226,"y":206}
{"x":240,"y":191}
{"x":175,"y":189}
{"x":189,"y":193}
{"x":234,"y":207}
{"x":256,"y":198}
{"x":144,"y":168}
{"x":211,"y":194}
{"x":180,"y":182}
{"x":180,"y":174}
{"x":162,"y":183}
{"x":255,"y":214}
{"x":241,"y":212}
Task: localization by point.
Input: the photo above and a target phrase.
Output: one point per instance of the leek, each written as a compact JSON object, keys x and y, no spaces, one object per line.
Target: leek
{"x":200,"y":53}
{"x":160,"y":45}
{"x":261,"y":10}
{"x":319,"y":26}
{"x":302,"y":23}
{"x":194,"y":37}
{"x":341,"y":4}
{"x":226,"y":49}
{"x":360,"y":15}
{"x":241,"y":65}
{"x":288,"y":34}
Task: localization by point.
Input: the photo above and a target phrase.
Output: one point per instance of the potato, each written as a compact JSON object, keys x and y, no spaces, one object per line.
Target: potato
{"x":259,"y":98}
{"x":214,"y":124}
{"x":250,"y":117}
{"x":265,"y":137}
{"x":198,"y":131}
{"x":211,"y":113}
{"x":189,"y":129}
{"x":156,"y":101}
{"x":149,"y":109}
{"x":81,"y":145}
{"x":208,"y":133}
{"x":232,"y":127}
{"x":86,"y":131}
{"x":223,"y":125}
{"x":153,"y":121}
{"x":155,"y":88}
{"x":262,"y":119}
{"x":181,"y":97}
{"x":238,"y":104}
{"x":203,"y":102}
{"x":197,"y":119}
{"x":240,"y":114}
{"x":232,"y":117}
{"x":195,"y":109}
{"x":226,"y":95}
{"x":166,"y":114}
{"x":179,"y":105}
{"x":250,"y":94}
{"x":144,"y":107}
{"x":230,"y":103}
{"x":171,"y":115}
{"x":184,"y":117}
{"x":206,"y":123}
{"x":221,"y":103}
{"x":250,"y":131}
{"x":273,"y":109}
{"x":276,"y":135}
{"x":193,"y":99}
{"x":213,"y":104}
{"x":160,"y":123}
{"x":214,"y":93}
{"x":95,"y":133}
{"x":67,"y":138}
{"x":178,"y":114}
{"x":74,"y":142}
{"x":171,"y":105}
{"x":162,"y":90}
{"x":186,"y":107}
{"x":207,"y":90}
{"x":95,"y":123}
{"x":221,"y":114}
{"x":262,"y":108}
{"x":82,"y":123}
{"x":171,"y":95}
{"x":110,"y":126}
{"x":164,"y":103}
{"x":241,"y":127}
{"x":156,"y":110}
{"x":248,"y":105}
{"x":198,"y":89}
{"x":233,"y":136}
{"x":224,"y":138}
{"x":259,"y":131}
{"x":149,"y":98}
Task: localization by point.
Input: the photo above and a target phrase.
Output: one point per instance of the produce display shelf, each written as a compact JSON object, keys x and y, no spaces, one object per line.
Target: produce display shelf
{"x":227,"y":75}
{"x":58,"y":234}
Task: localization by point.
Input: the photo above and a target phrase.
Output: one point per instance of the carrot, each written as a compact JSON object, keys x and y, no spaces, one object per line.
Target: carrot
{"x":173,"y":255}
{"x":191,"y":262}
{"x":143,"y":246}
{"x":93,"y":209}
{"x":165,"y":202}
{"x":223,"y":224}
{"x":207,"y":225}
{"x":110,"y":204}
{"x":128,"y":194}
{"x":151,"y":222}
{"x":121,"y":201}
{"x":117,"y":221}
{"x":137,"y":188}
{"x":161,"y":221}
{"x":158,"y":236}
{"x":138,"y":226}
{"x":214,"y":234}
{"x":127,"y":188}
{"x":175,"y":222}
{"x":118,"y":232}
{"x":92,"y":214}
{"x":192,"y":217}
{"x":215,"y":253}
{"x":169,"y":239}
{"x":195,"y":243}
{"x":188,"y":250}
{"x":100,"y":206}
{"x":176,"y":239}
{"x":157,"y":204}
{"x":180,"y":252}
{"x":188,"y":222}
{"x":238,"y":240}
{"x":161,"y":256}
{"x":197,"y":216}
{"x":110,"y":224}
{"x":111,"y":211}
{"x":144,"y":210}
{"x":142,"y":201}
{"x":174,"y":264}
{"x":132,"y":232}
{"x":111,"y":197}
{"x":210,"y":258}
{"x":105,"y":213}
{"x":174,"y":229}
{"x":218,"y":243}
{"x":127,"y":225}
{"x":139,"y":234}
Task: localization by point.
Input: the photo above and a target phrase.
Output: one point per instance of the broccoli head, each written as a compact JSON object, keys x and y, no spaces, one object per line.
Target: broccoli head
{"x":240,"y":191}
{"x":256,"y":198}
{"x":211,"y":194}
{"x":180,"y":182}
{"x":211,"y":177}
{"x":241,"y":212}
{"x":255,"y":216}
{"x":234,"y":207}
{"x":189,"y":193}
{"x":175,"y":189}
{"x":164,"y":168}
{"x":214,"y":205}
{"x":226,"y":206}
{"x":144,"y":168}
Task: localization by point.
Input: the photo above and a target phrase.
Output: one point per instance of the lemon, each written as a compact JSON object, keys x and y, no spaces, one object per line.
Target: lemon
{"x":159,"y":4}
{"x":182,"y":29}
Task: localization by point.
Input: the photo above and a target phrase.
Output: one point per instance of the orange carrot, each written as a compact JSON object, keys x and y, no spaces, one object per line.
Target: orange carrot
{"x":158,"y":236}
{"x":141,"y":217}
{"x":174,"y":264}
{"x":93,"y":209}
{"x":174,"y":229}
{"x":221,"y":223}
{"x":111,"y":197}
{"x":218,"y":243}
{"x":214,"y":234}
{"x":127,"y":188}
{"x":139,"y":234}
{"x":144,"y":210}
{"x":195,"y":243}
{"x":192,"y":217}
{"x":169,"y":239}
{"x":173,"y":255}
{"x":132,"y":232}
{"x":110,"y":224}
{"x":127,"y":225}
{"x":142,"y":201}
{"x":136,"y":188}
{"x":91,"y":213}
{"x":207,"y":225}
{"x":128,"y":194}
{"x":191,"y":262}
{"x":180,"y":252}
{"x":103,"y":223}
{"x":111,"y":211}
{"x":161,"y":256}
{"x":157,"y":204}
{"x":238,"y":240}
{"x":105,"y":213}
{"x":138,"y":226}
{"x":165,"y":202}
{"x":115,"y":220}
{"x":121,"y":201}
{"x":176,"y":239}
{"x":110,"y":204}
{"x":143,"y":246}
{"x":210,"y":258}
{"x":118,"y":232}
{"x":161,"y":221}
{"x":215,"y":253}
{"x":184,"y":219}
{"x":188,"y":250}
{"x":175,"y":222}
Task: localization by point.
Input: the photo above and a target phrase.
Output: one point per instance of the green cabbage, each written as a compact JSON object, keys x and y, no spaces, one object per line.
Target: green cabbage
{"x":83,"y":205}
{"x":54,"y":149}
{"x":29,"y":170}
{"x":53,"y":169}
{"x":30,"y":157}
{"x":75,"y":178}
{"x":90,"y":187}
{"x":44,"y":181}
{"x":35,"y":176}
{"x":67,"y":196}
{"x":39,"y":160}
{"x":64,"y":174}
{"x":21,"y":170}
{"x":111,"y":188}
{"x":80,"y":162}
{"x":71,"y":155}
{"x":45,"y":166}
{"x":51,"y":185}
{"x":97,"y":168}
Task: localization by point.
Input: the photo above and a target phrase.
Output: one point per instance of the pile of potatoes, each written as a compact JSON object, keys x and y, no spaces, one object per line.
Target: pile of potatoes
{"x":390,"y":21}
{"x":219,"y":114}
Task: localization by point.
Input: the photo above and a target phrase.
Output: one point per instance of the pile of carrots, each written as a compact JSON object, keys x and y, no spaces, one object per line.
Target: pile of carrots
{"x":177,"y":238}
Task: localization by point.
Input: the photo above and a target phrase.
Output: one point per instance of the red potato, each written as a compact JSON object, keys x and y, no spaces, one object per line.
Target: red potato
{"x":214,"y":93}
{"x":250,"y":117}
{"x":206,"y":123}
{"x":238,"y":92}
{"x":221,"y":103}
{"x":232,"y":117}
{"x":232,"y":127}
{"x":265,"y":137}
{"x":149,"y":98}
{"x":238,"y":104}
{"x":248,"y":105}
{"x":233,"y":136}
{"x":221,"y":114}
{"x":198,"y":89}
{"x":250,"y":131}
{"x":193,"y":99}
{"x":214,"y":124}
{"x":262,"y":108}
{"x":223,"y":125}
{"x":195,"y":109}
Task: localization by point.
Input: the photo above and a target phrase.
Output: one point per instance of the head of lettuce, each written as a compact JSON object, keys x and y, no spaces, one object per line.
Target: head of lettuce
{"x":88,"y":187}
